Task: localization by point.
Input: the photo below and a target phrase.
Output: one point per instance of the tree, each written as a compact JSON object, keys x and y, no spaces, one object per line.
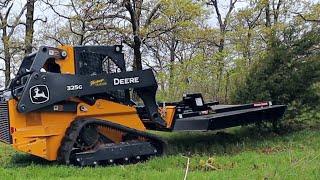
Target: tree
{"x":29,"y":26}
{"x":223,"y":21}
{"x":223,"y":25}
{"x":78,"y":22}
{"x":7,"y":27}
{"x":134,"y":22}
{"x":170,"y":47}
{"x":287,"y":75}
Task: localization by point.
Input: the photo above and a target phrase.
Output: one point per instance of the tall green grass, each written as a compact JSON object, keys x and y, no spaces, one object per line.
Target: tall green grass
{"x":239,"y":153}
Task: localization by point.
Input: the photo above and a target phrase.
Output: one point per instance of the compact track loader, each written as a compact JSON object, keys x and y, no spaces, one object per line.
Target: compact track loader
{"x":73,"y":105}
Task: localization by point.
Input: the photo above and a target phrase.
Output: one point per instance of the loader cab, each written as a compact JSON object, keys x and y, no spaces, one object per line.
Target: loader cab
{"x":95,"y":60}
{"x":92,"y":61}
{"x":82,"y":60}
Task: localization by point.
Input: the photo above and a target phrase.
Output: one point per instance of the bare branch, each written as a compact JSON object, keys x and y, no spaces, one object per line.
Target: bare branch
{"x":74,"y":8}
{"x":8,"y":12}
{"x":152,"y":13}
{"x":42,"y":20}
{"x":222,"y":22}
{"x":4,"y":3}
{"x":54,"y":10}
{"x":306,"y":19}
{"x":55,"y":39}
{"x":215,"y":5}
{"x":17,"y":20}
{"x":128,"y":6}
{"x":111,"y":16}
{"x":71,"y":29}
{"x":276,"y":10}
{"x":231,"y":7}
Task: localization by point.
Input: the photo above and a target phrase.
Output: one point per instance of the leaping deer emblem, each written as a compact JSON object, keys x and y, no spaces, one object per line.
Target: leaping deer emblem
{"x":39,"y":94}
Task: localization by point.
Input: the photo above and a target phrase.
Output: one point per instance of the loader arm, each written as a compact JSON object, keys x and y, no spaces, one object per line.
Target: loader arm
{"x":37,"y":90}
{"x":59,"y":87}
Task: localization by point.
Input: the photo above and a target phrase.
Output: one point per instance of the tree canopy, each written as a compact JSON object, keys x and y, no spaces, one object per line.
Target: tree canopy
{"x":231,"y":51}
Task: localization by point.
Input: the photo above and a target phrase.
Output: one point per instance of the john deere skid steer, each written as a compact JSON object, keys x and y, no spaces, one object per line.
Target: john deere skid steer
{"x":73,"y":105}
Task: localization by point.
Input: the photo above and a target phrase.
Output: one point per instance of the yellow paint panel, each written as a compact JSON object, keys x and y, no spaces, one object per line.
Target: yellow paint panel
{"x":167,"y":114}
{"x":67,"y":65}
{"x":44,"y":139}
{"x":113,"y":112}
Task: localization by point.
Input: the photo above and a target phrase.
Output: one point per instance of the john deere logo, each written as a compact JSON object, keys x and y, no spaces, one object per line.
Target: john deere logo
{"x":39,"y":94}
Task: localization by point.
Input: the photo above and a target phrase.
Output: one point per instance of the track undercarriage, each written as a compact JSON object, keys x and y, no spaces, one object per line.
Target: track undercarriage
{"x":87,"y":143}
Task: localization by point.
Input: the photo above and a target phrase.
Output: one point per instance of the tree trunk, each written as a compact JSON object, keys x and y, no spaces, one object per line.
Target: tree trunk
{"x":134,"y":9}
{"x":271,"y":34}
{"x":137,"y":64}
{"x":221,"y":63}
{"x":268,"y":15}
{"x":247,"y":49}
{"x":29,"y":27}
{"x":8,"y":64}
{"x":227,"y":88}
{"x":7,"y":57}
{"x":171,"y":65}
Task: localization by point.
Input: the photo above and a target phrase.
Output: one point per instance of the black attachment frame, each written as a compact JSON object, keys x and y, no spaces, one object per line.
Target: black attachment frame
{"x":228,"y":116}
{"x":35,"y":61}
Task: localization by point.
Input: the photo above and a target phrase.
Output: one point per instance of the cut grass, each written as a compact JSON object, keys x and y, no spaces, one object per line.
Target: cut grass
{"x":242,"y":153}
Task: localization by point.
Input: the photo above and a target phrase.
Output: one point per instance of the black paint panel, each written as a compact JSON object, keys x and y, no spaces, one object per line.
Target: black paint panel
{"x":229,"y":119}
{"x":57,"y":85}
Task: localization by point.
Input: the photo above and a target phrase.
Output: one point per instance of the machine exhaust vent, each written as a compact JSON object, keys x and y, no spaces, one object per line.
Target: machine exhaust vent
{"x":4,"y":123}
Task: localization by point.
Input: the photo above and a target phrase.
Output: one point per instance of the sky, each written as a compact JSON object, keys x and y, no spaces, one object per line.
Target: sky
{"x":40,"y":9}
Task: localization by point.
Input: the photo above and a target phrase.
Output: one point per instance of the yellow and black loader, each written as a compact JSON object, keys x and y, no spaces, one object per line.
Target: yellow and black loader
{"x":73,"y":105}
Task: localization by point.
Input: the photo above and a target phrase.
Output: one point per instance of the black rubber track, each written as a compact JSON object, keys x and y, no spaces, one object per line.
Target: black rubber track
{"x":69,"y":140}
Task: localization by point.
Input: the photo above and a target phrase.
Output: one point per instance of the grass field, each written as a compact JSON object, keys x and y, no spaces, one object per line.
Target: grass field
{"x":241,"y":153}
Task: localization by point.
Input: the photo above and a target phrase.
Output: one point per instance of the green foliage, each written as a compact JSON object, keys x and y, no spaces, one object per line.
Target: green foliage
{"x":286,"y":74}
{"x":198,"y":74}
{"x":175,"y":16}
{"x":308,"y":116}
{"x":302,"y":115}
